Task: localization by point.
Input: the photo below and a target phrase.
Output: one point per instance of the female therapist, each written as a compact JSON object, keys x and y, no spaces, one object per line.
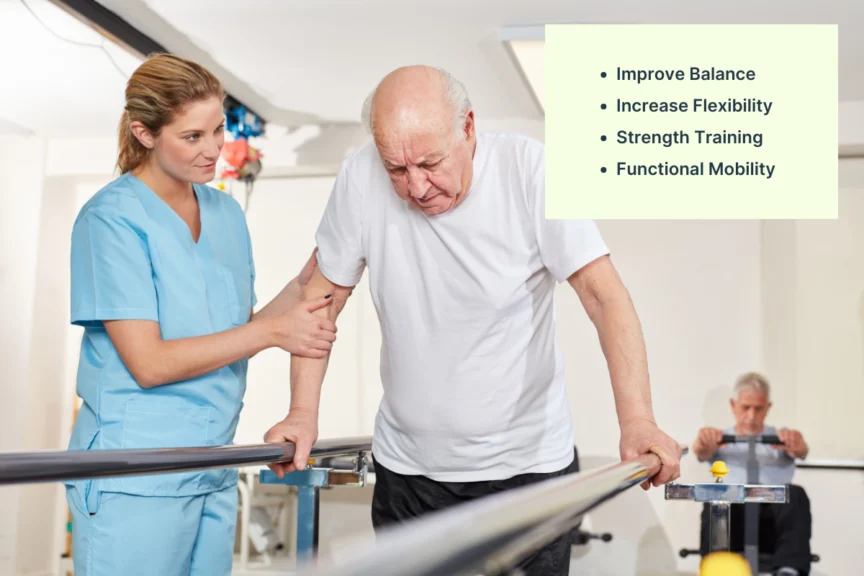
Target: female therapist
{"x":162,"y":282}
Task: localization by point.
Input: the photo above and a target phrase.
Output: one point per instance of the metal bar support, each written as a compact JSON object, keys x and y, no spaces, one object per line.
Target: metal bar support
{"x":309,"y":483}
{"x":720,"y":497}
{"x":751,"y":511}
{"x":719,"y":532}
{"x":307,"y":521}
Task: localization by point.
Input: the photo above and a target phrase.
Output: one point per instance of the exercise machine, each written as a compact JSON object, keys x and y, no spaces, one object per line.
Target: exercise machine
{"x":719,"y":497}
{"x":759,"y":562}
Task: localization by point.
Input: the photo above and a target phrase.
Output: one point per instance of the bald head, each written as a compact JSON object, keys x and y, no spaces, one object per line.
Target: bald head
{"x":423,"y":127}
{"x":416,"y":98}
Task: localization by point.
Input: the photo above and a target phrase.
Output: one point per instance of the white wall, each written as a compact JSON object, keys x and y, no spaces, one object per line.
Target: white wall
{"x":44,"y":184}
{"x":45,"y":390}
{"x":815,"y":313}
{"x":21,"y":169}
{"x":830,"y":330}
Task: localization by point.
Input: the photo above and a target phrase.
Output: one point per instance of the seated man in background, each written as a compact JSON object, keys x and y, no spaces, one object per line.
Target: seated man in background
{"x":788,"y":525}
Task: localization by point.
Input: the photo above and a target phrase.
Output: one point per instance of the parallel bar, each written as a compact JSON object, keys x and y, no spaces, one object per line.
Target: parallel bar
{"x":461,"y":540}
{"x":34,"y":467}
{"x":507,"y":559}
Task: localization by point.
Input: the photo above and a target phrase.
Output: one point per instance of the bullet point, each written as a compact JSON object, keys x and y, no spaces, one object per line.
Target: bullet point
{"x":602,"y":74}
{"x":602,"y":106}
{"x":603,"y":138}
{"x":603,"y":170}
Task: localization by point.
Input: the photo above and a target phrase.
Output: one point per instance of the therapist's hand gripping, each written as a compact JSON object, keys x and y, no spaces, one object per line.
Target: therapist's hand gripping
{"x":292,"y":325}
{"x":300,"y":331}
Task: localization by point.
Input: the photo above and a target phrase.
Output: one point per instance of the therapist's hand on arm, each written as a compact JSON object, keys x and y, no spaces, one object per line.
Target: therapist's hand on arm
{"x":293,"y":292}
{"x":307,"y":375}
{"x":611,"y":310}
{"x":293,"y":325}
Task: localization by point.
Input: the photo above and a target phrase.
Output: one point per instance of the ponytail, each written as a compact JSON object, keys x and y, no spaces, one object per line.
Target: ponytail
{"x":131,"y":153}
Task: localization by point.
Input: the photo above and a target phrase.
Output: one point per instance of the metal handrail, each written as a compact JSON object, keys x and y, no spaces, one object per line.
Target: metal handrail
{"x":489,"y":535}
{"x":37,"y":467}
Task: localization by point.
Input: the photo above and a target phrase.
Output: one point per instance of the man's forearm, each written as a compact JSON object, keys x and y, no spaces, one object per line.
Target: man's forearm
{"x":623,"y":346}
{"x":290,"y":295}
{"x":307,"y":376}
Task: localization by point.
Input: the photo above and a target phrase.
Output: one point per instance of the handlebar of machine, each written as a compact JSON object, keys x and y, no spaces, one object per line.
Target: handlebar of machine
{"x":759,"y":439}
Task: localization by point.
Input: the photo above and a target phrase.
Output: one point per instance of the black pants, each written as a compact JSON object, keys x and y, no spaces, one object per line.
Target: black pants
{"x":398,"y":497}
{"x":784,"y":531}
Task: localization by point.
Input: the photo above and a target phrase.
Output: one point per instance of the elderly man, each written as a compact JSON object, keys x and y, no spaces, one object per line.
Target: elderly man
{"x":463,"y":264}
{"x":788,"y":525}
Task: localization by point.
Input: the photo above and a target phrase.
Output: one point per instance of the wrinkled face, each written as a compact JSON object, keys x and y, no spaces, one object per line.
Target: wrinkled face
{"x":187,"y":149}
{"x":750,"y":411}
{"x":430,"y":166}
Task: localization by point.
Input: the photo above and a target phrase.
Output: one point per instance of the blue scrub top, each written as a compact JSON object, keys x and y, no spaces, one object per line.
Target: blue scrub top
{"x":133,"y":257}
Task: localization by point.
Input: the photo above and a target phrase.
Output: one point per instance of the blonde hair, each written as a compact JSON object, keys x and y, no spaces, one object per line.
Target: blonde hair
{"x":753,"y":381}
{"x":155,"y":93}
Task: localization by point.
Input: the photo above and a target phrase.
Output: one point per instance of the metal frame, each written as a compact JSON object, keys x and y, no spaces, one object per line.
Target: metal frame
{"x":309,"y":483}
{"x":720,"y":497}
{"x":751,"y":511}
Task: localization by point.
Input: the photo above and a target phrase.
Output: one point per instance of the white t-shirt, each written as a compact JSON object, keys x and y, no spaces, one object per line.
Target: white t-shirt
{"x":472,"y":374}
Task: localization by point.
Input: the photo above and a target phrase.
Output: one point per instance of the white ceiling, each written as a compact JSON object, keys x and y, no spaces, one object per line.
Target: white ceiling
{"x":53,"y":87}
{"x":323,"y":56}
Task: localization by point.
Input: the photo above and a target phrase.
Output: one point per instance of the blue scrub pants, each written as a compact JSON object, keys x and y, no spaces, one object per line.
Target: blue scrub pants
{"x":115,"y":534}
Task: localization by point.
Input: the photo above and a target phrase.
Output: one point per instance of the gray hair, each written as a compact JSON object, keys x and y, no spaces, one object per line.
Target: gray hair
{"x":754,"y":382}
{"x":455,"y":92}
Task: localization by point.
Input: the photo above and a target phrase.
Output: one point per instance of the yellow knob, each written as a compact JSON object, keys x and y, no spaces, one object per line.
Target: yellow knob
{"x":221,"y":186}
{"x":719,"y":469}
{"x":724,"y":564}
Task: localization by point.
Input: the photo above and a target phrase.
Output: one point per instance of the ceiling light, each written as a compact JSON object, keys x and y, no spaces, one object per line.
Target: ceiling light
{"x":526,"y":46}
